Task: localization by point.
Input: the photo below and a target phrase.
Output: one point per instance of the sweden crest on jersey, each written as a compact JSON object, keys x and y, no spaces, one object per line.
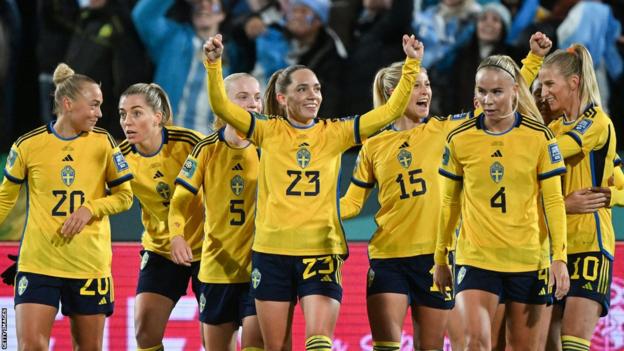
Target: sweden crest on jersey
{"x":237,"y":184}
{"x":405,"y":158}
{"x":163,"y":190}
{"x":497,"y":171}
{"x":68,"y":175}
{"x":303,"y":155}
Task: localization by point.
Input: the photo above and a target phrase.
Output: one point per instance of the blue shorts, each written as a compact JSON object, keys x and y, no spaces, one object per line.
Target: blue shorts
{"x":77,"y":296}
{"x":161,"y":276}
{"x":590,"y":277}
{"x":225,"y":303}
{"x":410,"y":276}
{"x":284,"y":278}
{"x":523,"y":287}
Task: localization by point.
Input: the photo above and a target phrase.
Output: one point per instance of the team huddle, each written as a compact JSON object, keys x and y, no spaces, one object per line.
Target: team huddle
{"x":473,"y":231}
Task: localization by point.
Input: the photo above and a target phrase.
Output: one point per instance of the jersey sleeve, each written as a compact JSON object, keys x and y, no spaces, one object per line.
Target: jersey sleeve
{"x":259,"y":126}
{"x":362,"y":183}
{"x":180,"y":201}
{"x":554,"y":208}
{"x":531,"y":65}
{"x":588,"y":134}
{"x":191,"y":175}
{"x":448,"y":218}
{"x":450,"y":167}
{"x":550,"y":162}
{"x":394,"y":108}
{"x":117,"y":179}
{"x":15,"y":169}
{"x":617,"y":190}
{"x":233,"y":114}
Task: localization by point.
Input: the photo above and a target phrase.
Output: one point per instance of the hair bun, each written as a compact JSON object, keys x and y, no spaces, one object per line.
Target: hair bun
{"x":61,"y":73}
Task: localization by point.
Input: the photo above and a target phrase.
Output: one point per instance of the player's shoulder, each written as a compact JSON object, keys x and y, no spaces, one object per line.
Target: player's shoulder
{"x":463,"y":128}
{"x":104,"y":136}
{"x":537,"y":127}
{"x":183,"y":135}
{"x":32,"y":135}
{"x":206,"y":144}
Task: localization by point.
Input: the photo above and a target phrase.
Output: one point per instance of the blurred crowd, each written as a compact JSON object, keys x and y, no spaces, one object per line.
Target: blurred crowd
{"x":121,"y":42}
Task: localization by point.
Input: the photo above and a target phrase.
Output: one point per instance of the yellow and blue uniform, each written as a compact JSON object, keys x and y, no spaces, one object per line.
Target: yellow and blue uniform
{"x":298,"y":213}
{"x":153,"y":184}
{"x":403,"y":164}
{"x":227,"y":176}
{"x":501,"y":184}
{"x":62,"y":174}
{"x":588,"y":145}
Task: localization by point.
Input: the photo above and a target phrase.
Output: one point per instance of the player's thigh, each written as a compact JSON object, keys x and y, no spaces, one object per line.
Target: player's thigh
{"x":34,"y":325}
{"x":151,"y":314}
{"x":431,"y":325}
{"x":498,"y":328}
{"x":523,"y":324}
{"x":386,"y":313}
{"x":87,"y":331}
{"x":275,"y":319}
{"x":251,"y":336}
{"x":220,"y":336}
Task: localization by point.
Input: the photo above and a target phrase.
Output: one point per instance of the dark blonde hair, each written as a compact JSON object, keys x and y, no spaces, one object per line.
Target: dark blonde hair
{"x":68,"y":84}
{"x":227,"y":83}
{"x":155,"y":97}
{"x":386,"y":80}
{"x":576,"y":60}
{"x":279,"y":81}
{"x":524,"y":101}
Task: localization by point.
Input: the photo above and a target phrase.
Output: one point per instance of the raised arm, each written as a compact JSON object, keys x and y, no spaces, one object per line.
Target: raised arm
{"x":540,"y":46}
{"x":381,"y":116}
{"x":230,"y":112}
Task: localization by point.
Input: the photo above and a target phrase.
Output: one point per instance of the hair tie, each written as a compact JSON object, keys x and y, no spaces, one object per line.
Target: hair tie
{"x":571,"y":50}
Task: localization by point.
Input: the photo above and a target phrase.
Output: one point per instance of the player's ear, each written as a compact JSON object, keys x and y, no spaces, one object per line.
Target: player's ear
{"x":158,"y":119}
{"x":67,"y":103}
{"x":281,"y":99}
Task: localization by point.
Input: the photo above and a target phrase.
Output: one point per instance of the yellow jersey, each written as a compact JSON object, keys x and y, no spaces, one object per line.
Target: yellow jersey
{"x":404,"y":165}
{"x":297,"y":212}
{"x":594,"y":134}
{"x":153,"y":183}
{"x":228,"y":176}
{"x":501,"y":190}
{"x":62,"y":174}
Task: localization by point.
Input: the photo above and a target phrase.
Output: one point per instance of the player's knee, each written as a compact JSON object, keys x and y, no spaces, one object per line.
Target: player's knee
{"x":477,"y":340}
{"x":88,"y":345}
{"x":32,"y":343}
{"x":145,"y":337}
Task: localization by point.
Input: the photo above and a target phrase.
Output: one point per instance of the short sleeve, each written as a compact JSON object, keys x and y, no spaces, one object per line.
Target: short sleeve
{"x":117,"y":168}
{"x":550,"y":160}
{"x":363,"y":172}
{"x":450,"y":167}
{"x":15,"y":168}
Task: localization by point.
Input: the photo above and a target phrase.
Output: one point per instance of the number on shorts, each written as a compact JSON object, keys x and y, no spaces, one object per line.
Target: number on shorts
{"x":103,"y":285}
{"x":447,"y":291}
{"x":309,"y":271}
{"x":587,"y":275}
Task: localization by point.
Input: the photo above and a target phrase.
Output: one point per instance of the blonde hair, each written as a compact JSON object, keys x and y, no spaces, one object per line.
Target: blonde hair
{"x":227,"y":83}
{"x":155,"y":97}
{"x":386,"y":80}
{"x":524,"y":102}
{"x":67,"y":84}
{"x":576,"y":60}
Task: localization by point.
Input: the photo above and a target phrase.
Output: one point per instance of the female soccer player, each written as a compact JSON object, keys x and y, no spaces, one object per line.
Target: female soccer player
{"x":68,"y":166}
{"x":500,"y":249}
{"x":156,"y":151}
{"x":299,"y":242}
{"x":224,"y":167}
{"x":586,"y":137}
{"x":401,"y":249}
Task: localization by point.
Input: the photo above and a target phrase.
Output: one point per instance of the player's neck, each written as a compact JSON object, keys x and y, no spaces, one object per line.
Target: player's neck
{"x":232,"y":137}
{"x":64,"y":128}
{"x":405,"y":123}
{"x":500,"y":125}
{"x":151,"y":144}
{"x":572,"y":110}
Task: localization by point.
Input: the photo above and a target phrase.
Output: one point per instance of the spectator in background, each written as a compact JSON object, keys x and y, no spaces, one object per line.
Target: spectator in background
{"x":55,"y":19}
{"x":443,"y":28}
{"x":176,"y":49}
{"x":380,"y":24}
{"x":492,"y":26}
{"x":104,"y":45}
{"x":304,"y":38}
{"x":9,"y":47}
{"x":593,"y":25}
